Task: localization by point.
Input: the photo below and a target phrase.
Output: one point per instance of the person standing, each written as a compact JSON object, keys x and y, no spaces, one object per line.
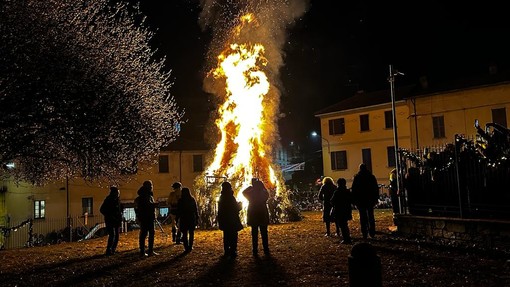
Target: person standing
{"x":145,"y":209}
{"x":394,"y":192}
{"x":172,"y":201}
{"x":325,"y":193}
{"x":228,"y":219}
{"x":258,"y":214}
{"x":342,"y":210}
{"x":112,"y":212}
{"x":187,"y":218}
{"x":365,"y":193}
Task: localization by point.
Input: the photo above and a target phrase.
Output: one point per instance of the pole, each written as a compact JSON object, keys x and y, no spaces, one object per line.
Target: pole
{"x":391,"y":79}
{"x":69,"y":224}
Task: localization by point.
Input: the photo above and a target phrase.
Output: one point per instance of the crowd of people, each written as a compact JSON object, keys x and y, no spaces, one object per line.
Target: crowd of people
{"x":183,"y":212}
{"x":337,"y":201}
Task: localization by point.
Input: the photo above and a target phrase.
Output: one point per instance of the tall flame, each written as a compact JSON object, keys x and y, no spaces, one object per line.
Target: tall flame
{"x":241,"y":154}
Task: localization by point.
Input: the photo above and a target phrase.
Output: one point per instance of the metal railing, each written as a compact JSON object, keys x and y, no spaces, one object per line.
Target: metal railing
{"x":455,"y":180}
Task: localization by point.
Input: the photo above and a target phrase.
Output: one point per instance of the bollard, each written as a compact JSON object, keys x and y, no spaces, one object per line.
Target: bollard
{"x":364,"y":266}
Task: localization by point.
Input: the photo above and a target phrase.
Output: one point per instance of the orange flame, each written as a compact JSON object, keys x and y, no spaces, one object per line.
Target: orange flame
{"x":241,"y":154}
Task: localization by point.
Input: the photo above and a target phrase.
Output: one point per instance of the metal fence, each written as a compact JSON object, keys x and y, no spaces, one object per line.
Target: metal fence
{"x":47,"y":231}
{"x":38,"y":232}
{"x":455,"y":180}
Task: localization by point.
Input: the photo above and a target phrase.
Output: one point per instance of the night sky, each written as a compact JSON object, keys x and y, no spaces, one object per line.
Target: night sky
{"x":334,"y":50}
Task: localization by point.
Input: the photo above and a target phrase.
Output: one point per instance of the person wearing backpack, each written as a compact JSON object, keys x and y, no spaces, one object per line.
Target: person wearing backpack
{"x":145,"y":209}
{"x":112,"y":212}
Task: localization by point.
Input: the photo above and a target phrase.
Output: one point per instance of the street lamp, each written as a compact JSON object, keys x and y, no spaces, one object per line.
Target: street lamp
{"x":315,"y":134}
{"x":391,"y":79}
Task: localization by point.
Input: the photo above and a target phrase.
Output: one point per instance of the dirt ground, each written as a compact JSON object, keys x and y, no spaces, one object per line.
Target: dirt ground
{"x":300,"y":256}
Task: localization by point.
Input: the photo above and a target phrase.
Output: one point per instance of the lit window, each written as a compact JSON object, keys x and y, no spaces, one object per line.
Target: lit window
{"x":39,"y":208}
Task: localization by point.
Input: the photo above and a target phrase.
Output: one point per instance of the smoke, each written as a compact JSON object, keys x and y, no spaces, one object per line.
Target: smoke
{"x":274,"y":17}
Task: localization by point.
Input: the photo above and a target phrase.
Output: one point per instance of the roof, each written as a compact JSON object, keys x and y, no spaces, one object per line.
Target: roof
{"x":366,"y":99}
{"x":426,"y":88}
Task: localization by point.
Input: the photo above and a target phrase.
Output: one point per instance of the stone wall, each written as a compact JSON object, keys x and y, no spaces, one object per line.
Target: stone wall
{"x":482,"y":233}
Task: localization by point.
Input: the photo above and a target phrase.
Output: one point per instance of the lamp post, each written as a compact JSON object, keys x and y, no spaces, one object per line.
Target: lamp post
{"x":315,"y":134}
{"x":391,"y":79}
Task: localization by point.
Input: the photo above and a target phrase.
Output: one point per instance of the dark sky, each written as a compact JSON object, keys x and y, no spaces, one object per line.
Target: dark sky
{"x":335,"y":49}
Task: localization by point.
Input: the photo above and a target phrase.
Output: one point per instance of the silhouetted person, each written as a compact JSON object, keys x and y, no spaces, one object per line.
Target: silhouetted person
{"x":112,"y":211}
{"x":342,"y":210}
{"x":228,"y":219}
{"x":172,"y":201}
{"x":145,"y":209}
{"x":258,"y":214}
{"x":394,"y":192}
{"x":187,"y":217}
{"x":325,"y":193}
{"x":365,"y":193}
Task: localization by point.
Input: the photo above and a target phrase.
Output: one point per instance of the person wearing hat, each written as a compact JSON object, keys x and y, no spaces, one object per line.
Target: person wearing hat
{"x":172,"y":201}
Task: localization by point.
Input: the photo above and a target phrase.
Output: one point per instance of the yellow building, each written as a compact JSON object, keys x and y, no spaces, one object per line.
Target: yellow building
{"x":50,"y":205}
{"x":438,"y":116}
{"x":359,"y":128}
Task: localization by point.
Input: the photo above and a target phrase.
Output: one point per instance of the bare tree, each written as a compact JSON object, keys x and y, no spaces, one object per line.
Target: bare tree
{"x":81,"y":91}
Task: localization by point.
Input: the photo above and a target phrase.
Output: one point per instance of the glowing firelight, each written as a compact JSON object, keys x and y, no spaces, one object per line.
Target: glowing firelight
{"x":241,"y":154}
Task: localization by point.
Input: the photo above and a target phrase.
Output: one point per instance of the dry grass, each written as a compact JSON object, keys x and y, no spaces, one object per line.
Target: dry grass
{"x":301,"y":256}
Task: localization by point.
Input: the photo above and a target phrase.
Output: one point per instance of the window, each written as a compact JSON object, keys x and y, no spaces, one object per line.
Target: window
{"x":390,"y":151}
{"x":198,"y":163}
{"x":366,"y":154}
{"x":438,"y":126}
{"x":339,"y":160}
{"x":163,"y":164}
{"x":337,"y":126}
{"x":499,"y":116}
{"x":39,"y":208}
{"x":388,"y":119}
{"x":87,"y":205}
{"x":129,"y":214}
{"x":364,"y":125}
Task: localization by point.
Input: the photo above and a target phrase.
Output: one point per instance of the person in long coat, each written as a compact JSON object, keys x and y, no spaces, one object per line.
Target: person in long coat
{"x":325,"y":193}
{"x":187,"y":218}
{"x":365,"y":193}
{"x":145,"y":209}
{"x":228,"y":219}
{"x":258,"y":214}
{"x":342,"y":210}
{"x":112,"y":212}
